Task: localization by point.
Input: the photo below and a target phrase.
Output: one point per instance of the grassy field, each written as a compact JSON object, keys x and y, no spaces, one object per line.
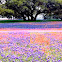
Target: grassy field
{"x":12,"y":21}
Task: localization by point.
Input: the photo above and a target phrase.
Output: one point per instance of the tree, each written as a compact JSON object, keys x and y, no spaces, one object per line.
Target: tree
{"x":30,"y":9}
{"x":53,"y":8}
{"x":5,"y":11}
{"x":26,"y":8}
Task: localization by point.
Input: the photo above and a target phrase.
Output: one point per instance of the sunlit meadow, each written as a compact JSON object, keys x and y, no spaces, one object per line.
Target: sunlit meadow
{"x":30,"y":46}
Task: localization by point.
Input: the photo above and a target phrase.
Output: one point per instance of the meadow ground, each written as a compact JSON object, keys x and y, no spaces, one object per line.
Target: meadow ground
{"x":30,"y":45}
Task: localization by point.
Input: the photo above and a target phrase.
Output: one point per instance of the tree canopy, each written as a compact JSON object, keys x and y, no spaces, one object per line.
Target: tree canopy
{"x":30,"y":9}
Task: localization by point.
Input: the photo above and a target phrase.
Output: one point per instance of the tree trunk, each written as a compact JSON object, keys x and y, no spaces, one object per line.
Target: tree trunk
{"x":31,"y":15}
{"x":36,"y":16}
{"x":28,"y":18}
{"x":24,"y":18}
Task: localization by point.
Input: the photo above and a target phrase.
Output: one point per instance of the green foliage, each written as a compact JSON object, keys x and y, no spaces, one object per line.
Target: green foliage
{"x":15,"y":2}
{"x":3,"y":11}
{"x":59,"y":1}
{"x":9,"y":11}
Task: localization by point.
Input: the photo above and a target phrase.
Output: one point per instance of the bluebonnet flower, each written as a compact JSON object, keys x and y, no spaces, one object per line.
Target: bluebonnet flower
{"x":2,"y":55}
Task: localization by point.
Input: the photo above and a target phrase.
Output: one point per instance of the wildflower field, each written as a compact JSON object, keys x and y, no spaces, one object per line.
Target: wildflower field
{"x":30,"y":46}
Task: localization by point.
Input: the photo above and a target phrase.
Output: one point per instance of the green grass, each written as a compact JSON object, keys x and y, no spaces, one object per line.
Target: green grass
{"x":13,"y":21}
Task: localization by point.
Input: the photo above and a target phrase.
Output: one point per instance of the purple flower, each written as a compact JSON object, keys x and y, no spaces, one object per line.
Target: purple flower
{"x":59,"y":60}
{"x":2,"y":55}
{"x":13,"y":56}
